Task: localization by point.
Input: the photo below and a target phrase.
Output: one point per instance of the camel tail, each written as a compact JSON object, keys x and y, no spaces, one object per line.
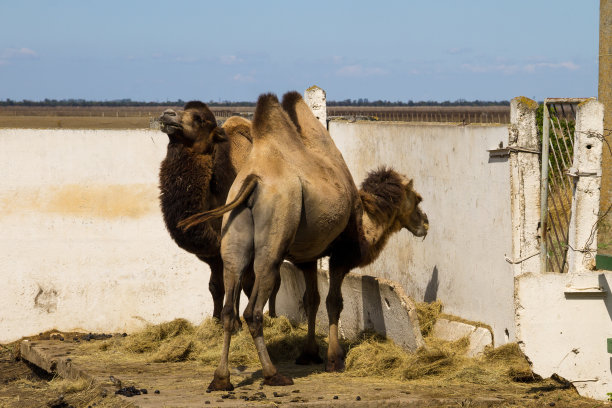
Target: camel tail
{"x":248,"y":185}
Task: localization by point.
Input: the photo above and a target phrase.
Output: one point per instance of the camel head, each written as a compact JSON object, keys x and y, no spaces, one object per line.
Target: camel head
{"x":194,"y":127}
{"x":389,"y":198}
{"x":410,"y":216}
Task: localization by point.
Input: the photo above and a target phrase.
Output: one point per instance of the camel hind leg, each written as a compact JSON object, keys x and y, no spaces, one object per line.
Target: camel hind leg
{"x":276,"y":219}
{"x":237,"y":253}
{"x":334,"y":303}
{"x":310,"y":352}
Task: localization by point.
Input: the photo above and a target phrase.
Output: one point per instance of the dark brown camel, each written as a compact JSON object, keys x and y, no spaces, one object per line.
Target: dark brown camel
{"x":201,"y":163}
{"x":295,"y":199}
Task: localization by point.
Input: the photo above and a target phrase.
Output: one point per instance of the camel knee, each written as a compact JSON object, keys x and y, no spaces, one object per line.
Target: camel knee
{"x":255,"y":322}
{"x":228,"y":318}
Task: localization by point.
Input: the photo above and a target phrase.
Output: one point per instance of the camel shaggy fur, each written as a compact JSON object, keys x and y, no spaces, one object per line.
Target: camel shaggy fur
{"x":201,"y":163}
{"x":295,"y":199}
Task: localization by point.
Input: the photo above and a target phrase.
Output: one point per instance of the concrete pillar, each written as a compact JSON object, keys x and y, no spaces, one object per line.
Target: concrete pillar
{"x":315,"y":98}
{"x":524,"y":185}
{"x":605,"y":97}
{"x":586,"y":172}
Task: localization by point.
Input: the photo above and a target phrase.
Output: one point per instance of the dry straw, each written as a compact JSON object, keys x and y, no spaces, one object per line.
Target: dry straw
{"x":370,"y":355}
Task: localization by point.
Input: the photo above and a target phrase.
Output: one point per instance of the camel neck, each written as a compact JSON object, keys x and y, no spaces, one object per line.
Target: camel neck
{"x":375,"y":235}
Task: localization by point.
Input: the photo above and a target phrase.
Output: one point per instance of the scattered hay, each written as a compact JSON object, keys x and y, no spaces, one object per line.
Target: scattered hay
{"x":428,"y":313}
{"x":153,"y":336}
{"x":69,"y":386}
{"x":510,"y":361}
{"x":179,"y":340}
{"x":377,"y":356}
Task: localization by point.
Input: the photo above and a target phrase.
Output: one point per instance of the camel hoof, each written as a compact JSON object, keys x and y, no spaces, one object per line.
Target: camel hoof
{"x":278,"y":380}
{"x":334,"y":365}
{"x":307,"y":358}
{"x":218,"y":384}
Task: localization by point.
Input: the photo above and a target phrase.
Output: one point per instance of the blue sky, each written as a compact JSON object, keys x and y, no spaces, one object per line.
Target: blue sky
{"x":235,"y":50}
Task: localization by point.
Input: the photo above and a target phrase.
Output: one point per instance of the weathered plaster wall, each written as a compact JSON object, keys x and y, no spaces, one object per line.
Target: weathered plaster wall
{"x":564,"y":323}
{"x":467,"y":199}
{"x":83,"y":244}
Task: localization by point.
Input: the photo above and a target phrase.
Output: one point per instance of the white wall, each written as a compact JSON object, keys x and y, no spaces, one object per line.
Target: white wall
{"x":564,"y":321}
{"x":467,"y":199}
{"x":83,"y":244}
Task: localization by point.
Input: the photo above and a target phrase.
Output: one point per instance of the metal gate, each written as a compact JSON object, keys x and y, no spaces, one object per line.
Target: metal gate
{"x":558,"y":124}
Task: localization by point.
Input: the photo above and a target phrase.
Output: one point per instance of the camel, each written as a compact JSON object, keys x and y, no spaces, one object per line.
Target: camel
{"x":295,"y":199}
{"x":201,"y":163}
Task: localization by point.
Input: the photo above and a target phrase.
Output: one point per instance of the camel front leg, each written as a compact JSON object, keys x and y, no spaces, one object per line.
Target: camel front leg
{"x":215,"y":284}
{"x":310,"y":352}
{"x":334,"y":302}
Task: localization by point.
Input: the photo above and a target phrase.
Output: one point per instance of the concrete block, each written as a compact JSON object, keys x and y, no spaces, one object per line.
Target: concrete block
{"x":369,"y":304}
{"x":479,"y":340}
{"x":450,"y":330}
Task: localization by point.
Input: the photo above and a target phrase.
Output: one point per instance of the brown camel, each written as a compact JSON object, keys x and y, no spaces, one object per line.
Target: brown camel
{"x":201,"y":163}
{"x":295,"y":199}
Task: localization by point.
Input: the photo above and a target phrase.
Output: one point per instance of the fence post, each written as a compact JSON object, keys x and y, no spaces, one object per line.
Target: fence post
{"x":586,"y":175}
{"x":315,"y":98}
{"x":524,"y":185}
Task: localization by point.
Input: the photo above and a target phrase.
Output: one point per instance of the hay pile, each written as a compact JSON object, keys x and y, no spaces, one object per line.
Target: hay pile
{"x":374,"y":355}
{"x":371,"y":355}
{"x":179,"y":340}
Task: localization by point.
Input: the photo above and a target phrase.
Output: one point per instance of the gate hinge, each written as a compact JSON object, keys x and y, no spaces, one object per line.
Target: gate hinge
{"x":575,"y":172}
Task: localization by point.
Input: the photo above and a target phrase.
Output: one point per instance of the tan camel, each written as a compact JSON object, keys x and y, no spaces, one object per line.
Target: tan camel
{"x":295,"y":199}
{"x":201,"y":163}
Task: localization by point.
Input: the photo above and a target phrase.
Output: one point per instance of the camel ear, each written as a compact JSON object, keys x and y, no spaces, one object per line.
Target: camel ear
{"x":219,"y":135}
{"x":408,"y":183}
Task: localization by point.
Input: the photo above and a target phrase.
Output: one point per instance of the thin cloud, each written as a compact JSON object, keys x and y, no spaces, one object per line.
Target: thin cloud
{"x":569,"y":65}
{"x":16,"y":53}
{"x":243,"y":78}
{"x":459,"y":51}
{"x":360,"y":71}
{"x":13,"y":54}
{"x":230,"y":59}
{"x":510,"y":69}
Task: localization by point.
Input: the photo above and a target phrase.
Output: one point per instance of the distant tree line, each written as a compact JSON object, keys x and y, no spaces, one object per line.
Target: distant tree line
{"x":180,"y":102}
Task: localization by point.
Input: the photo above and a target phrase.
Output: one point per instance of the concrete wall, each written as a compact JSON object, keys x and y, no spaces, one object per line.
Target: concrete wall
{"x":467,"y":198}
{"x":83,"y":244}
{"x":564,"y":322}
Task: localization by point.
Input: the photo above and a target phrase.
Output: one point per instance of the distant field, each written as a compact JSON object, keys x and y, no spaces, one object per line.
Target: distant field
{"x":141,"y":117}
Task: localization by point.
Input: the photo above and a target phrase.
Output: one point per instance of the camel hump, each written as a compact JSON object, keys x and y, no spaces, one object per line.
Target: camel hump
{"x":291,"y":100}
{"x":270,"y":118}
{"x":238,"y":125}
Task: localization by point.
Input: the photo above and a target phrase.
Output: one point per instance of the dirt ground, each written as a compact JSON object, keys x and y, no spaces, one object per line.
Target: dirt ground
{"x":183,"y":384}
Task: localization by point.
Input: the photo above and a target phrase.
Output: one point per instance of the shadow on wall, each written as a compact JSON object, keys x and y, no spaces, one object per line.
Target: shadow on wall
{"x":372,"y":305}
{"x":431,"y":291}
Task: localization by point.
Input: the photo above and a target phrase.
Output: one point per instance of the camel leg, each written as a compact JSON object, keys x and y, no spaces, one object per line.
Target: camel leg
{"x":335,"y":354}
{"x":272,"y":301}
{"x":215,"y":284}
{"x":253,"y":315}
{"x":310,"y":352}
{"x":271,"y":242}
{"x":237,"y":253}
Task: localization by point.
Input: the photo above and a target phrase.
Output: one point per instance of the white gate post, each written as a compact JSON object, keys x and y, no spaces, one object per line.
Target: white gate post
{"x":315,"y":98}
{"x":524,"y":185}
{"x":586,"y":174}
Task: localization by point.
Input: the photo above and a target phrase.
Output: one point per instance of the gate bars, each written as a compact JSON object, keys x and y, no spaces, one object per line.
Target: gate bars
{"x":558,"y":138}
